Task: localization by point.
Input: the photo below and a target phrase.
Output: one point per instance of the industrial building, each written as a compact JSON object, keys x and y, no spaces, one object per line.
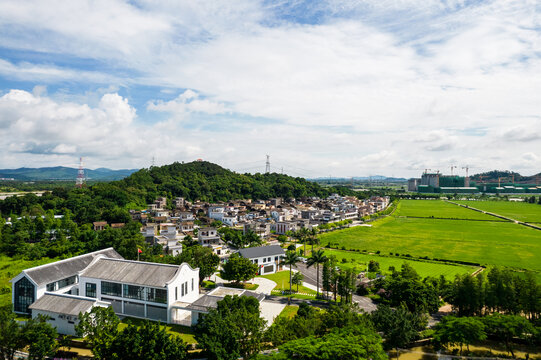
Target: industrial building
{"x":436,"y":183}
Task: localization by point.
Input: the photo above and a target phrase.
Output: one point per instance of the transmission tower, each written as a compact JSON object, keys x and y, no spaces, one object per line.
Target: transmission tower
{"x":267,"y":165}
{"x":79,"y":182}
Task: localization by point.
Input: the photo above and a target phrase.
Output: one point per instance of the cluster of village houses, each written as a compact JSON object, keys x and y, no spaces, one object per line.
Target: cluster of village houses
{"x":266,"y":218}
{"x":171,"y":293}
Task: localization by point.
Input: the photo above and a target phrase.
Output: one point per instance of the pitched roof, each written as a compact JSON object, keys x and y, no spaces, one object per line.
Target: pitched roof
{"x":62,"y":269}
{"x":63,"y":304}
{"x":210,"y":301}
{"x":133,"y":272}
{"x":261,"y":251}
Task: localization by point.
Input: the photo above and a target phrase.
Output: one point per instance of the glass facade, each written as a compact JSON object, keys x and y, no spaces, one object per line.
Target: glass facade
{"x":109,"y":288}
{"x":90,"y":290}
{"x":24,"y":295}
{"x":157,"y":295}
{"x":134,"y":292}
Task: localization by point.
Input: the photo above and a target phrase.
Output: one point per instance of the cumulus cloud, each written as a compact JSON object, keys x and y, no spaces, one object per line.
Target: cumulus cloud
{"x":390,"y":85}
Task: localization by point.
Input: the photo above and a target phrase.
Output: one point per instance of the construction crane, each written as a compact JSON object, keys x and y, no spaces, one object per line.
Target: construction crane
{"x":453,"y":167}
{"x":466,"y":168}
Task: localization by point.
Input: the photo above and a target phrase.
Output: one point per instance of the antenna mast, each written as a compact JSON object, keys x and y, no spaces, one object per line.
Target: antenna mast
{"x":79,"y":182}
{"x":267,"y":165}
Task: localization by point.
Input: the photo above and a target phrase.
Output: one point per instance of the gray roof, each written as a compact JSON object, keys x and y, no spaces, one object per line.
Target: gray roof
{"x":206,"y":302}
{"x":133,"y":272}
{"x":62,"y":269}
{"x":261,"y":251}
{"x":62,"y":304}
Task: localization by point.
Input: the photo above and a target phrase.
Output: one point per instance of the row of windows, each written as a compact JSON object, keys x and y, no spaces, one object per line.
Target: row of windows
{"x":128,"y":291}
{"x":183,"y":289}
{"x":265,"y":260}
{"x":62,"y":283}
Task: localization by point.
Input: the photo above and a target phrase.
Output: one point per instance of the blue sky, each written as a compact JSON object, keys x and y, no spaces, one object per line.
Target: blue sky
{"x":341,"y":88}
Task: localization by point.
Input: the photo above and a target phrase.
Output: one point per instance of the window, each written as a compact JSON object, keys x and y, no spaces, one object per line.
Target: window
{"x":109,"y":288}
{"x":186,"y":286}
{"x":176,"y":293}
{"x":67,"y":281}
{"x":24,"y":295}
{"x":134,"y":292}
{"x":158,"y":295}
{"x":51,"y":287}
{"x":90,"y":290}
{"x":181,"y":289}
{"x":192,"y":284}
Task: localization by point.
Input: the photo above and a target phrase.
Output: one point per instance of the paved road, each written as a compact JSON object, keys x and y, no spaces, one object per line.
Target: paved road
{"x":310,"y":277}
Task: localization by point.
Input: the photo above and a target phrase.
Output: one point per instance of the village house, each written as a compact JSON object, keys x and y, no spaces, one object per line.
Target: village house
{"x":267,"y":258}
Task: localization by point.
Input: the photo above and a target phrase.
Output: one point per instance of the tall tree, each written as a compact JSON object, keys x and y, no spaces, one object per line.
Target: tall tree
{"x":11,"y":338}
{"x":149,"y":341}
{"x":40,"y":337}
{"x":238,"y":268}
{"x":399,"y":326}
{"x":233,"y":330}
{"x":316,"y":258}
{"x":202,"y":258}
{"x":297,"y":279}
{"x":99,"y":327}
{"x":459,"y":331}
{"x":291,"y":259}
{"x":507,"y":327}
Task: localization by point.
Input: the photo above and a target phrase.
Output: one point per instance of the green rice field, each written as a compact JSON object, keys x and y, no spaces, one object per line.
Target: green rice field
{"x":439,"y":209}
{"x":423,"y":268}
{"x":515,"y":210}
{"x":485,"y":242}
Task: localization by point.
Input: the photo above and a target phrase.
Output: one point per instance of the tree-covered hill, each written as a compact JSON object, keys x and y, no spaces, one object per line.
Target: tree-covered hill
{"x":198,"y":180}
{"x":506,"y":176}
{"x":201,"y":180}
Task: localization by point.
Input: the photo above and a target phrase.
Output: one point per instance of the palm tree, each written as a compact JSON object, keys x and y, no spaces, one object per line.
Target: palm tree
{"x":302,"y":235}
{"x":312,"y":237}
{"x":316,"y":258}
{"x":291,"y":259}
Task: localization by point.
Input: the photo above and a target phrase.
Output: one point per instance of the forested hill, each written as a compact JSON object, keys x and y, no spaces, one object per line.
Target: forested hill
{"x":110,"y":201}
{"x":201,"y":180}
{"x":506,"y":176}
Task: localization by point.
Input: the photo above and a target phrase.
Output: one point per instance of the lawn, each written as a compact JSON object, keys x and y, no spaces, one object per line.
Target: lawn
{"x":9,"y":268}
{"x":484,"y":242}
{"x":281,"y":279}
{"x":185,"y":332}
{"x":289,"y":311}
{"x":438,"y":209}
{"x":516,"y":210}
{"x":423,"y":268}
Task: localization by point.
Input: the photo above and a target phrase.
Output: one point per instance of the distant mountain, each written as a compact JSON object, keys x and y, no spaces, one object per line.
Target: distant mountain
{"x":64,"y":173}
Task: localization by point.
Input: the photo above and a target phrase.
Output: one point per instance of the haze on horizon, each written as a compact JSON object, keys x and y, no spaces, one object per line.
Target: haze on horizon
{"x":340,"y":88}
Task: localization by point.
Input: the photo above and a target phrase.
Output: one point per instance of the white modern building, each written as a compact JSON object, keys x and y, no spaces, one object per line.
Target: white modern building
{"x":62,"y":311}
{"x":104,"y":278}
{"x":268,"y":258}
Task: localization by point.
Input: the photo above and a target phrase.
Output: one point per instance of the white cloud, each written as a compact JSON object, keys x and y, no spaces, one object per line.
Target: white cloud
{"x":384,"y":85}
{"x":188,"y":102}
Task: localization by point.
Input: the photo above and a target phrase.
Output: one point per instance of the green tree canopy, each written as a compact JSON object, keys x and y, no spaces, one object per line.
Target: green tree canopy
{"x":234,"y":329}
{"x":238,"y":269}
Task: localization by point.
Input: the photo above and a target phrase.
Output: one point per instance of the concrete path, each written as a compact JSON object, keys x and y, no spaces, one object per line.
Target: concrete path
{"x":265,"y":285}
{"x":270,"y":310}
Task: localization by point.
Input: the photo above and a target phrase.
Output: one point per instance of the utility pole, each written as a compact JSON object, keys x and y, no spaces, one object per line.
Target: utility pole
{"x":267,"y":165}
